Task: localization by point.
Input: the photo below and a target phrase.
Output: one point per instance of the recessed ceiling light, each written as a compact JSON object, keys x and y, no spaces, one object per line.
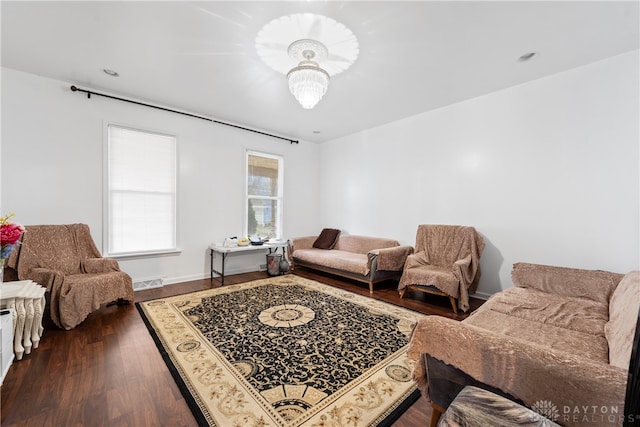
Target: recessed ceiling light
{"x":111,"y":73}
{"x":527,"y":56}
{"x":316,"y":131}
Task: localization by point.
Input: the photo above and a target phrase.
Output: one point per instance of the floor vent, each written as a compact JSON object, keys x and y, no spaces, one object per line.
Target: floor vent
{"x":148,"y":284}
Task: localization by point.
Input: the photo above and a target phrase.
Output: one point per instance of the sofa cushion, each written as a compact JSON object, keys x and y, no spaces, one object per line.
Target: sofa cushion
{"x":577,"y":314}
{"x":327,"y":238}
{"x":623,"y":314}
{"x":430,"y":275}
{"x":337,"y":259}
{"x":543,"y":335}
{"x":363,"y":244}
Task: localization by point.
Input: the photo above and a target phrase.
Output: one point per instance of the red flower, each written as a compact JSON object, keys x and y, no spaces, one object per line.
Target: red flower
{"x":9,"y":236}
{"x":10,"y":233}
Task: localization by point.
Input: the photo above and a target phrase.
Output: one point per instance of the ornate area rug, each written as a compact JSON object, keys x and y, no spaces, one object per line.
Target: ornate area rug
{"x":286,"y":352}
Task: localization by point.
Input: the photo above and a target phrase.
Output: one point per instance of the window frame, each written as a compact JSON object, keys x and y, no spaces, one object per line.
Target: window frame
{"x":107,"y":193}
{"x":279,"y":198}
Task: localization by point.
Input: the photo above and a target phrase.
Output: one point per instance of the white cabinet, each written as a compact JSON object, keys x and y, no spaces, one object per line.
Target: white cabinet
{"x":6,"y":343}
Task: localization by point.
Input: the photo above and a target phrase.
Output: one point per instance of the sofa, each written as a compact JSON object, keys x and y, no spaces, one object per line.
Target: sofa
{"x":560,"y":339}
{"x":362,"y":258}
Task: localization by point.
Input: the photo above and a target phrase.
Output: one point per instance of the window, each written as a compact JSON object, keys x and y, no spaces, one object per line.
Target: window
{"x":141,"y":192}
{"x":264,"y":195}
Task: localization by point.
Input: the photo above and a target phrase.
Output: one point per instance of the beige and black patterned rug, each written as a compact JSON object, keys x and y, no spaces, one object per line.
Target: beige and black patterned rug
{"x":286,"y":352}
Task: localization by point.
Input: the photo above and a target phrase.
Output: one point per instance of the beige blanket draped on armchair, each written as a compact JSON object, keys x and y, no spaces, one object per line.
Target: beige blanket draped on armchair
{"x":65,"y":260}
{"x":446,"y":262}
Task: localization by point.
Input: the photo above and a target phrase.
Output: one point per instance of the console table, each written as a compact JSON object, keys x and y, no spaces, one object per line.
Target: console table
{"x":27,"y":300}
{"x":225,"y":251}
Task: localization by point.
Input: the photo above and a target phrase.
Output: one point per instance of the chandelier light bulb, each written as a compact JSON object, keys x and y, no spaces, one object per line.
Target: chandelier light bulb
{"x":306,"y":62}
{"x":308,"y":82}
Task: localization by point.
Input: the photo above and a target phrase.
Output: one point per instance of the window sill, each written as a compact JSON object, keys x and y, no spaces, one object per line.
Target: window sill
{"x":140,"y":255}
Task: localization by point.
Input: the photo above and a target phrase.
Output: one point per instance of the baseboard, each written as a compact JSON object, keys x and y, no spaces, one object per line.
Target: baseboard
{"x":181,"y":279}
{"x":149,"y":283}
{"x":481,"y":295}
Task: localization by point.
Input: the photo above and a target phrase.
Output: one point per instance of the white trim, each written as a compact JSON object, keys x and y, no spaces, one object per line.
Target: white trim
{"x":206,"y":276}
{"x":140,"y":255}
{"x":481,"y":295}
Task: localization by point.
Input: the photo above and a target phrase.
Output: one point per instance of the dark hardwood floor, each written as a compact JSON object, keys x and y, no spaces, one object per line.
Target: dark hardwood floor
{"x":108,"y":372}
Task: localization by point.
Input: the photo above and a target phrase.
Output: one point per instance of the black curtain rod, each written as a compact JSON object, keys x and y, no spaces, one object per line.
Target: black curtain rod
{"x":90,"y":92}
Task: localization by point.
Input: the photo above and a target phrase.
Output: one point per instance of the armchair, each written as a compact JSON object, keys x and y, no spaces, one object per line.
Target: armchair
{"x":445,"y":262}
{"x":65,"y":260}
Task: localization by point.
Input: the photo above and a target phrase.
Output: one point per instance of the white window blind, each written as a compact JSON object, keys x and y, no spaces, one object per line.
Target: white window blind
{"x":264,"y":195}
{"x":141,"y":200}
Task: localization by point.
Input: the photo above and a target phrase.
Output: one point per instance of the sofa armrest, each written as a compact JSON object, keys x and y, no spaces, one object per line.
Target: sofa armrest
{"x":595,"y":285}
{"x":462,"y":263}
{"x":528,"y":372}
{"x":390,"y":259}
{"x":462,"y":271}
{"x":45,"y":276}
{"x":99,"y":265}
{"x":301,"y":243}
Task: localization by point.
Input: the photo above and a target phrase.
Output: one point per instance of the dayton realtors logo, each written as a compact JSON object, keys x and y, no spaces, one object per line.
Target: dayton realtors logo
{"x":546,"y":409}
{"x":598,"y":415}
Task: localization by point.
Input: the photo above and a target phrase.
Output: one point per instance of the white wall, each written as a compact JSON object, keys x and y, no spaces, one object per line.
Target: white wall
{"x":52,"y":171}
{"x":547,"y":172}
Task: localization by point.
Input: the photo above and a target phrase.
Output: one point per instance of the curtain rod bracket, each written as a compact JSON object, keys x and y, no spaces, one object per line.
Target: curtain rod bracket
{"x":88,"y":92}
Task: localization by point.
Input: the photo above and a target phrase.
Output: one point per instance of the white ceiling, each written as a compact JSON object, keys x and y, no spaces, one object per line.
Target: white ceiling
{"x":414,"y":56}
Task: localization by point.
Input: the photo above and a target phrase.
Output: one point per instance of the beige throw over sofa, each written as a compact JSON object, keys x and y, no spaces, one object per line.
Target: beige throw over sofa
{"x":562,"y":337}
{"x":363,"y":258}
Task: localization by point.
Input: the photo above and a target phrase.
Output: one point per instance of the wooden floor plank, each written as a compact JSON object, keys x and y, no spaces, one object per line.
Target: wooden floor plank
{"x":108,"y":371}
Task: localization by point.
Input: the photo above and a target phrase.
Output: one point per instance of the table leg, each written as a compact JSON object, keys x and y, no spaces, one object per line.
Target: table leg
{"x":221,"y":272}
{"x":284,"y":250}
{"x":36,"y":329}
{"x":224,"y":257}
{"x":18,"y":329}
{"x":28,"y":324}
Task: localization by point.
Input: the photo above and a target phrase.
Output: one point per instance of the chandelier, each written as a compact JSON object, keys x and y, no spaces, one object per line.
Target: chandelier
{"x":307,"y":36}
{"x":308,"y":82}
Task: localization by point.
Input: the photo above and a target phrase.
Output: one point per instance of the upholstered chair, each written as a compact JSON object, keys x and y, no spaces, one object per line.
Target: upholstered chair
{"x":446,"y":261}
{"x":65,"y":260}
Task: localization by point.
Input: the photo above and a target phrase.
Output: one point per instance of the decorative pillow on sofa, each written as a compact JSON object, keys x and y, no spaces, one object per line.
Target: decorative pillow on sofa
{"x":327,"y":238}
{"x":623,"y":315}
